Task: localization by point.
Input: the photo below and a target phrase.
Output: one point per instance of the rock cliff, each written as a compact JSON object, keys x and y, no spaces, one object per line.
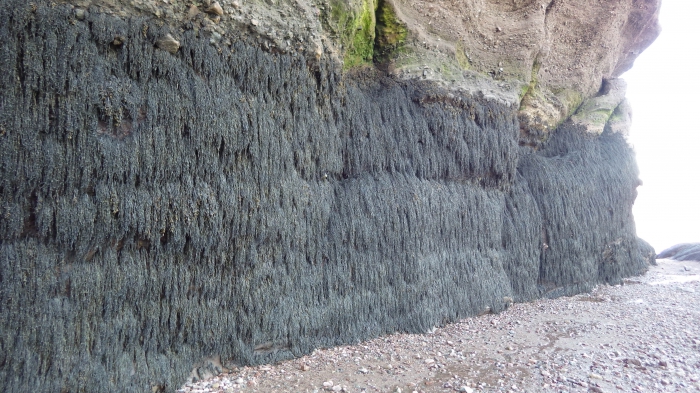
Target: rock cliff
{"x":248,"y":181}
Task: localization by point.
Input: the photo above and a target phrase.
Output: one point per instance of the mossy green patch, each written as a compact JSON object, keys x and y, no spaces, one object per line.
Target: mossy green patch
{"x":523,"y":91}
{"x":618,"y":115}
{"x":599,"y":117}
{"x":461,"y":57}
{"x":531,"y":89}
{"x":570,"y":99}
{"x":353,"y":23}
{"x":391,"y":33}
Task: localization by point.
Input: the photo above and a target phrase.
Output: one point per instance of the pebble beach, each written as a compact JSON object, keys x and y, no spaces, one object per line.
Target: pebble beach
{"x":640,"y":336}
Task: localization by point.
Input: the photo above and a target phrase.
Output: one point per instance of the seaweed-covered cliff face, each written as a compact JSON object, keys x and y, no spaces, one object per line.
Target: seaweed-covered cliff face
{"x":168,"y":196}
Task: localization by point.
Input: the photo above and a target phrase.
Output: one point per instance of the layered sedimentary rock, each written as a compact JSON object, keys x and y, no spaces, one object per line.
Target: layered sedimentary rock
{"x":180,"y":182}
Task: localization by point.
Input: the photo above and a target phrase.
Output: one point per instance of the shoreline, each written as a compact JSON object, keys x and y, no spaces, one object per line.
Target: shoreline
{"x":640,"y":336}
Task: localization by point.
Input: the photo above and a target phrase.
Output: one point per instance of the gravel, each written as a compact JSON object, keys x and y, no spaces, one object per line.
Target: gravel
{"x":642,"y":336}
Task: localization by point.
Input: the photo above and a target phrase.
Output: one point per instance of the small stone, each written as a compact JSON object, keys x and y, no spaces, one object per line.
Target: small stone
{"x":363,"y":370}
{"x":168,"y":43}
{"x":635,"y":362}
{"x":215,"y":37}
{"x":80,"y":14}
{"x":254,"y":22}
{"x":663,"y":363}
{"x":239,"y":381}
{"x":192,"y":12}
{"x":328,"y":384}
{"x":337,"y":388}
{"x":118,"y":40}
{"x":595,"y":389}
{"x":665,"y":382}
{"x":429,"y":361}
{"x":466,"y":389}
{"x":304,"y":367}
{"x":236,"y":5}
{"x":595,"y":376}
{"x":215,"y":9}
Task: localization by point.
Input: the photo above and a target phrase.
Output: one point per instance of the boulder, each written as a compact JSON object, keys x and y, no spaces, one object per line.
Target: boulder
{"x":681,"y":252}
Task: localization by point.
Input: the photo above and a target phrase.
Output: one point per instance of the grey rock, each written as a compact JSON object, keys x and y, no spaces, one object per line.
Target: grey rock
{"x":681,"y":252}
{"x":168,"y":43}
{"x":215,"y":9}
{"x":215,"y":37}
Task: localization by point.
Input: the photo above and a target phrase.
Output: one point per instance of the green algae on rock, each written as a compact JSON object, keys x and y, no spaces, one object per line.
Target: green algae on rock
{"x":391,"y":32}
{"x":354,"y":25}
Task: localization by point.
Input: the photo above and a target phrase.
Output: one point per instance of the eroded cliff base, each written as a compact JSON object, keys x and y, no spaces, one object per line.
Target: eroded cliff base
{"x":583,"y":342}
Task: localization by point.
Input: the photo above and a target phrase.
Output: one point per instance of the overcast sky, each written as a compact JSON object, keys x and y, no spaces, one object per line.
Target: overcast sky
{"x":663,"y":88}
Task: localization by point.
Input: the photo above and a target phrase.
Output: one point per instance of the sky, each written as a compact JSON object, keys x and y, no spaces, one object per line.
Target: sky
{"x":663,"y":89}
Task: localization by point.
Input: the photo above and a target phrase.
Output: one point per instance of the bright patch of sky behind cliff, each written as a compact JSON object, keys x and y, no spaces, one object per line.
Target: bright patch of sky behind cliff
{"x":663,"y":88}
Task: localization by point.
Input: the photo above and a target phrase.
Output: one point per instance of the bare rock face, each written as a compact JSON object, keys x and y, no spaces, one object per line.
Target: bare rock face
{"x":546,"y":57}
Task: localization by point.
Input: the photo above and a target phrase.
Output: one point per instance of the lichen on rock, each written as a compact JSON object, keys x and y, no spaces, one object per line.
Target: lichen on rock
{"x":595,"y":112}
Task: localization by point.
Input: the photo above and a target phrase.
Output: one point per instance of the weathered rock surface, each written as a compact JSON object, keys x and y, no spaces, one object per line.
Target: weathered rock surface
{"x":682,"y":252}
{"x":248,"y":195}
{"x":545,"y":57}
